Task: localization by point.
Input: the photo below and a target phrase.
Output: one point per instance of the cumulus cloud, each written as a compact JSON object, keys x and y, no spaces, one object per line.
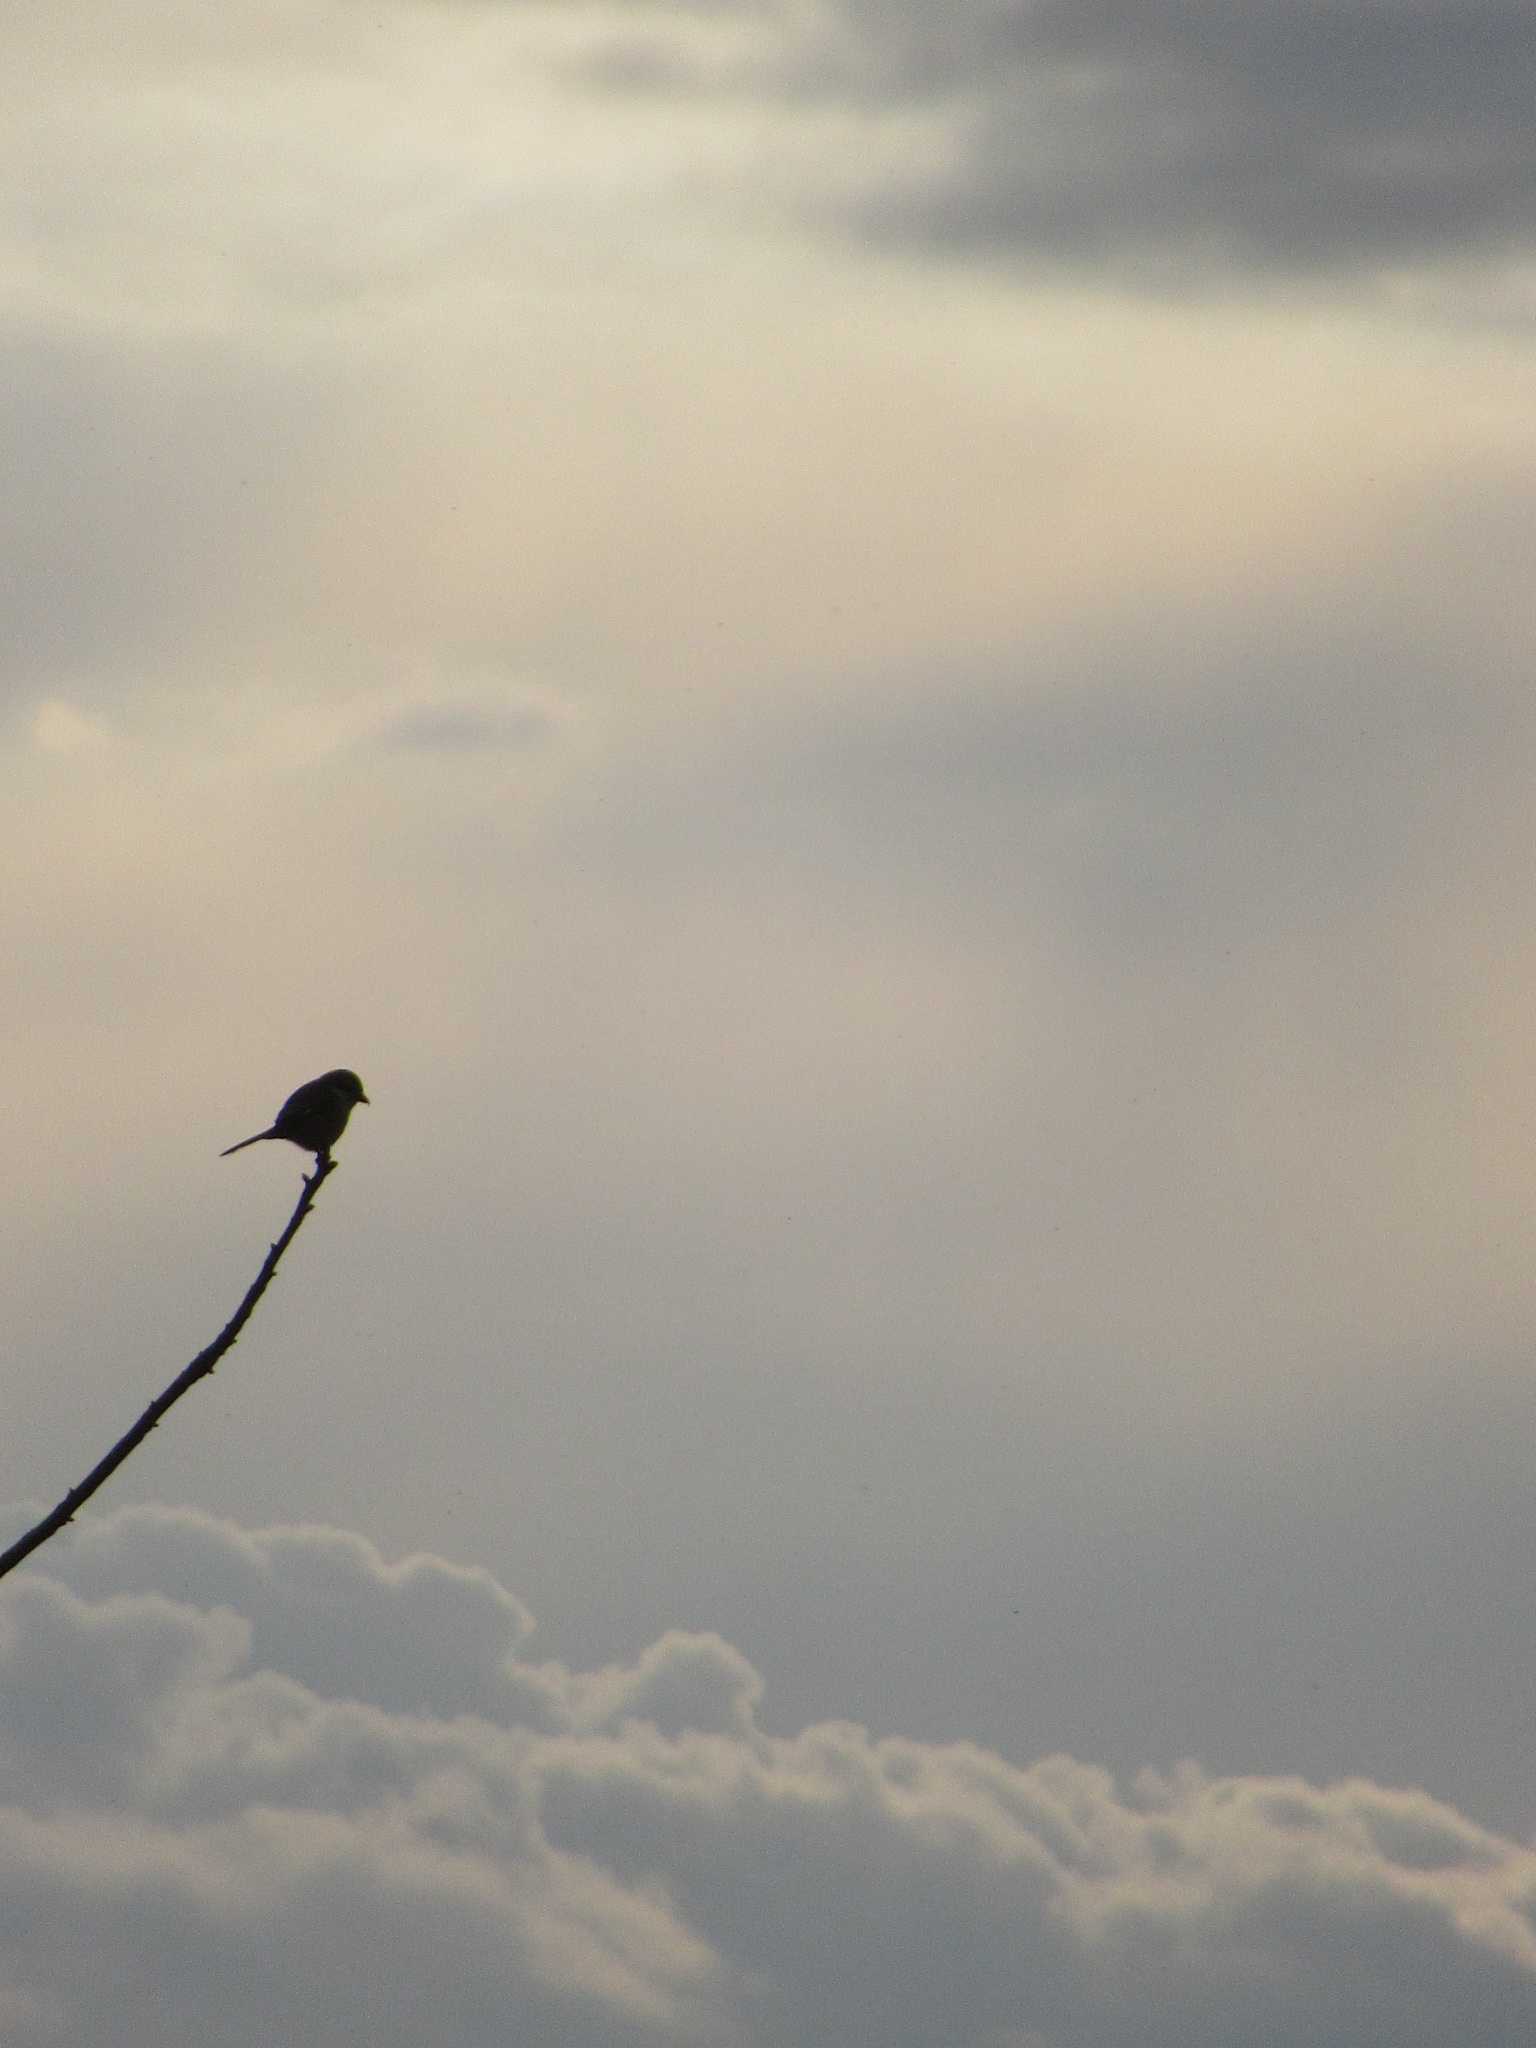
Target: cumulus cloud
{"x":264,"y":1785}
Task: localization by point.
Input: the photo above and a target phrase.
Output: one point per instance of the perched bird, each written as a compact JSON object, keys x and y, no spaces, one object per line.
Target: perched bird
{"x":314,"y":1116}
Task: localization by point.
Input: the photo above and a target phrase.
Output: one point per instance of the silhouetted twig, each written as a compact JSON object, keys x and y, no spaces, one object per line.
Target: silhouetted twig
{"x":200,"y":1367}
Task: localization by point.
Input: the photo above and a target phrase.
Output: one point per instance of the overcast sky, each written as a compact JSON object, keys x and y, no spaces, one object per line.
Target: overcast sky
{"x":872,"y":661}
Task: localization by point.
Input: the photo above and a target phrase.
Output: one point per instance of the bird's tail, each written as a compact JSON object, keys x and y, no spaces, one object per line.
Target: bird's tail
{"x":244,"y":1142}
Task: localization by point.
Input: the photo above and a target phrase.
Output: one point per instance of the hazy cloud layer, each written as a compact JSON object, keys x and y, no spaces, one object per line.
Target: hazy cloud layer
{"x":623,"y":1856}
{"x":983,"y":1042}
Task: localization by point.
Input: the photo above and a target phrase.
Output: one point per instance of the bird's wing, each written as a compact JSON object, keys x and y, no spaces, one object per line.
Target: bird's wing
{"x":303,"y":1101}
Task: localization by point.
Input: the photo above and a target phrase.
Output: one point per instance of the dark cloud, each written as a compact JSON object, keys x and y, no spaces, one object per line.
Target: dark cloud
{"x":465,"y":729}
{"x":1186,"y":136}
{"x":216,"y":1843}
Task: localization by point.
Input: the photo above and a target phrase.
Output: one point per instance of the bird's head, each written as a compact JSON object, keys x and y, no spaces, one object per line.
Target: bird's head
{"x":345,"y":1082}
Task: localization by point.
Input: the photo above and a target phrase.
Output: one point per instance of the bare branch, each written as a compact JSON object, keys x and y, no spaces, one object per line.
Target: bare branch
{"x":200,"y":1367}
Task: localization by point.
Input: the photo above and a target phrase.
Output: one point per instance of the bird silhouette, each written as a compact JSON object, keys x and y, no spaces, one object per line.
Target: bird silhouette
{"x":314,"y":1116}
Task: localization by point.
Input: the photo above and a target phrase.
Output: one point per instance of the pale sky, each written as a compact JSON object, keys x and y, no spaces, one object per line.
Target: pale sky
{"x":872,"y":662}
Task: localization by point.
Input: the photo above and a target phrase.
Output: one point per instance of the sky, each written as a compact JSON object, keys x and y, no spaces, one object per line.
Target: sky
{"x":872,"y":664}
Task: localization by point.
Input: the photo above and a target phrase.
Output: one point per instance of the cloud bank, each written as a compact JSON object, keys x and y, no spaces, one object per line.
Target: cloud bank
{"x":263,"y":1785}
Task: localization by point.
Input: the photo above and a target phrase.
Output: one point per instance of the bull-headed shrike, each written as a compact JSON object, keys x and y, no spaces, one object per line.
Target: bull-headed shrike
{"x":314,"y":1116}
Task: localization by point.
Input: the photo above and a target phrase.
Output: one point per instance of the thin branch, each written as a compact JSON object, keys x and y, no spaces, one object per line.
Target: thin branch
{"x":200,"y":1367}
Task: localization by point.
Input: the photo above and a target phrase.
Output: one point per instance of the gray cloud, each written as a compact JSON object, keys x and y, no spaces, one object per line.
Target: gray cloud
{"x":1177,"y":139}
{"x":210,"y":1840}
{"x":459,"y":1625}
{"x":465,"y":728}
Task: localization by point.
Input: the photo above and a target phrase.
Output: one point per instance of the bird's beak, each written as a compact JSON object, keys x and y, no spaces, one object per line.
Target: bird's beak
{"x":361,"y":1097}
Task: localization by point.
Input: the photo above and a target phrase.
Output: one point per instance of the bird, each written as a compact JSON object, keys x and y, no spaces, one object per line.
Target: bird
{"x":314,"y":1116}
